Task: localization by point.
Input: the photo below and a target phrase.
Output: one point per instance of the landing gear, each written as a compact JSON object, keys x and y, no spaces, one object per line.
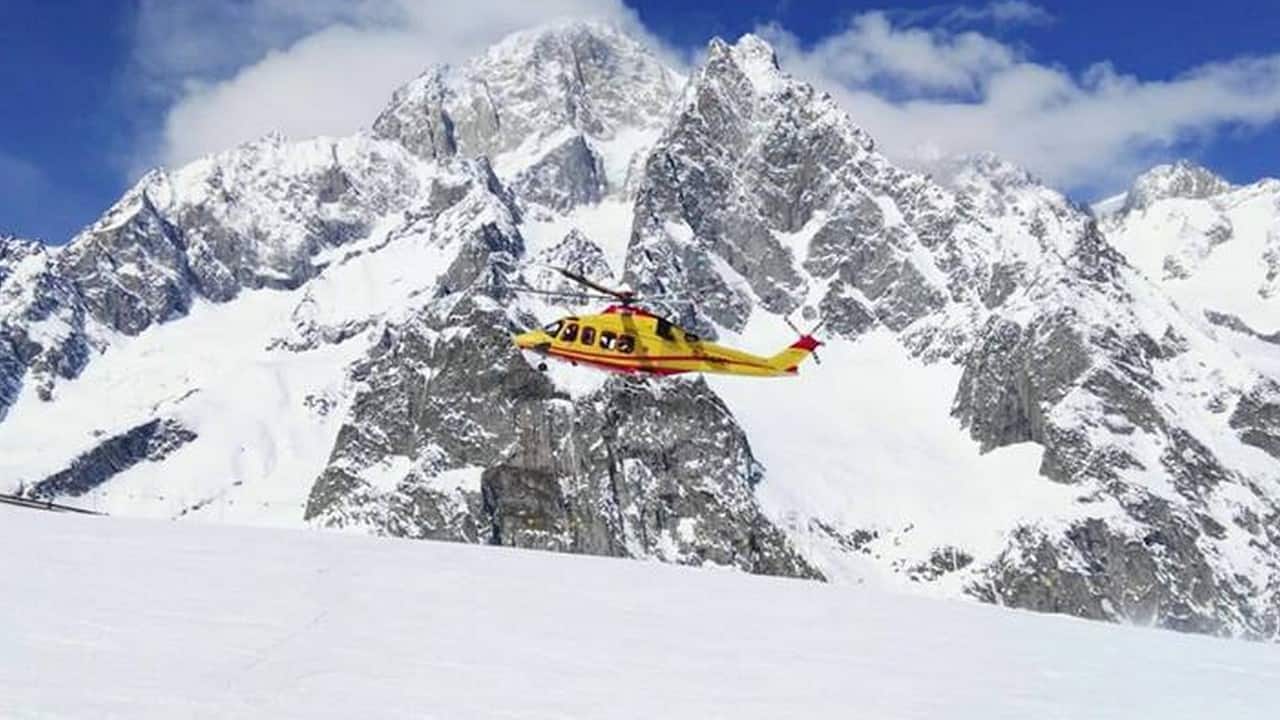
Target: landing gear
{"x":542,"y":367}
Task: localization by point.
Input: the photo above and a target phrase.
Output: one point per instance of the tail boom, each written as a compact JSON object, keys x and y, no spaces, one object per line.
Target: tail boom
{"x":788,"y":361}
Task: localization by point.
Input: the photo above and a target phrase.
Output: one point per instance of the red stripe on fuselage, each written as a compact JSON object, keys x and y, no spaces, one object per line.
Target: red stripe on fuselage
{"x":639,"y":358}
{"x":607,"y":365}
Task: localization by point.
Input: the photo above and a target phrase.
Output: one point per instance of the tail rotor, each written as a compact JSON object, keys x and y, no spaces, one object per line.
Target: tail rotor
{"x":797,"y":331}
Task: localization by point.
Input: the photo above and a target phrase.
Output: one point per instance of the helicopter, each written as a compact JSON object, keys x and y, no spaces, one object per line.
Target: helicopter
{"x":627,"y":338}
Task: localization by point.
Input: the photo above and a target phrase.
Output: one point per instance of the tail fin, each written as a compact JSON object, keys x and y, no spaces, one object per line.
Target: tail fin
{"x":790,"y":358}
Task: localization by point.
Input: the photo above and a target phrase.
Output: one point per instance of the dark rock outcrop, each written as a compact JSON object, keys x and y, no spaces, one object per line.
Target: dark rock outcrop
{"x":151,"y":441}
{"x":638,"y":468}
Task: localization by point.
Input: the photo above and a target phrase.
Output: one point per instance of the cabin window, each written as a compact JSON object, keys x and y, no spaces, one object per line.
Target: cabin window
{"x":626,"y":344}
{"x":570,"y":332}
{"x":606,"y":340}
{"x":553,"y":329}
{"x":588,"y":336}
{"x":664,"y":330}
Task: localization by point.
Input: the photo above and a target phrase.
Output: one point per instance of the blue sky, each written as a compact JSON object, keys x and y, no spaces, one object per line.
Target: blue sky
{"x":96,"y":91}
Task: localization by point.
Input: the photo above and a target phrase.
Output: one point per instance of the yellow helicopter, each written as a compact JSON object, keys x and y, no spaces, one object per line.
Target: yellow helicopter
{"x":629,"y":339}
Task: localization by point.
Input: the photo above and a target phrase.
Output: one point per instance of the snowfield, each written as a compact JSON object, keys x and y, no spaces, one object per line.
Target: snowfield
{"x":107,"y":617}
{"x":919,"y":487}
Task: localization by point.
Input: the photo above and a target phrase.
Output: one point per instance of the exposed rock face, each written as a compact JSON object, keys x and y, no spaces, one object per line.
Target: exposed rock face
{"x":227,"y":223}
{"x":549,"y":104}
{"x":1014,"y":377}
{"x":1271,"y":258}
{"x":160,"y":286}
{"x":571,"y":174}
{"x":252,"y":217}
{"x":1232,"y":322}
{"x":1103,"y":573}
{"x":151,"y":441}
{"x":1257,"y":418}
{"x":42,"y":322}
{"x":453,"y":436}
{"x":578,"y":75}
{"x":699,"y":200}
{"x":464,"y":216}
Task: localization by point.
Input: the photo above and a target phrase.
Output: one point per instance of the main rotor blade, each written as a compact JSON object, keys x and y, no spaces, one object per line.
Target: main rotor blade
{"x":558,"y":293}
{"x":624,"y":295}
{"x":692,"y":295}
{"x":666,"y":298}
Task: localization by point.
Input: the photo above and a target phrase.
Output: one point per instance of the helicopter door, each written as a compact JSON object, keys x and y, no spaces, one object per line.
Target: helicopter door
{"x":664,"y":330}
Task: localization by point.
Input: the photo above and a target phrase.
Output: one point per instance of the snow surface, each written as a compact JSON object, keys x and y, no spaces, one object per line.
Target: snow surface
{"x":211,"y":366}
{"x":107,"y":617}
{"x":606,"y":223}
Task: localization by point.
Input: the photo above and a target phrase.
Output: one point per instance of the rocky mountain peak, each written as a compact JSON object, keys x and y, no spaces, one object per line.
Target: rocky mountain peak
{"x":1211,"y":244}
{"x":751,"y":58}
{"x":14,"y":248}
{"x":758,"y":59}
{"x":582,"y":75}
{"x":1182,"y":179}
{"x":16,"y":254}
{"x":983,"y":168}
{"x":1028,"y":216}
{"x":565,"y":38}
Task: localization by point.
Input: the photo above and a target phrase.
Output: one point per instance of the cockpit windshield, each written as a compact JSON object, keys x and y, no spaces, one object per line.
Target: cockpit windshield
{"x":553,"y":329}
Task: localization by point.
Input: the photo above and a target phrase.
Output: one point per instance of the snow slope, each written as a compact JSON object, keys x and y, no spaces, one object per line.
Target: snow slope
{"x":917,"y":485}
{"x":106,"y":617}
{"x":1214,"y":248}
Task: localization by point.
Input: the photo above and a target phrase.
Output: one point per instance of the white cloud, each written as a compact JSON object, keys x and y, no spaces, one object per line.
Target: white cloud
{"x":175,"y":42}
{"x":926,"y":93}
{"x":872,"y":52}
{"x":235,"y":71}
{"x":1003,"y":12}
{"x":231,"y":72}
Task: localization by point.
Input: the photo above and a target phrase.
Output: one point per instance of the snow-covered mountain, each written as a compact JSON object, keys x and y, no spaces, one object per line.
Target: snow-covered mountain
{"x":1213,"y":246}
{"x":317,"y":332}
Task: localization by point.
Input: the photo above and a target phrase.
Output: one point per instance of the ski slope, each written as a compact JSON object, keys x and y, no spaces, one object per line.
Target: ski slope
{"x":106,"y":617}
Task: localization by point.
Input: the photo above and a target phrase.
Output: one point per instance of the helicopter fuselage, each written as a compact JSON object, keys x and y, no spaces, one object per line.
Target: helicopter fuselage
{"x":628,"y":339}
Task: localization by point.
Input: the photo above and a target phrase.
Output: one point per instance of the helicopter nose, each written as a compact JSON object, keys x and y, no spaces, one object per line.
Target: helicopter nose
{"x":531,"y":340}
